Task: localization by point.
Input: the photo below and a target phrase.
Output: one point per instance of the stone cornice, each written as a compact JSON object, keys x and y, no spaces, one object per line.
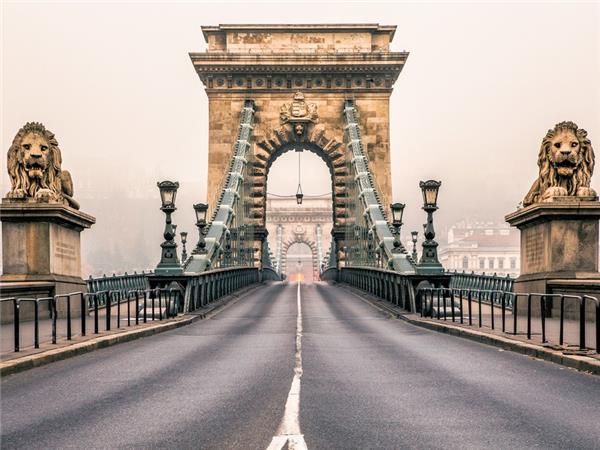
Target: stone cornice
{"x":289,"y":27}
{"x":13,"y":211}
{"x":370,"y":78}
{"x":298,"y":57}
{"x":559,"y":208}
{"x":370,"y":71}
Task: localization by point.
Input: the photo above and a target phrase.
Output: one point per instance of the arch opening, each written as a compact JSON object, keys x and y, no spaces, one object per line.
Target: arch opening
{"x":293,"y":227}
{"x":301,"y":263}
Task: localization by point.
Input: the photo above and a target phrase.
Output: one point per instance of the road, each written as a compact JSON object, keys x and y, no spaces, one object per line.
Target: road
{"x":341,"y":376}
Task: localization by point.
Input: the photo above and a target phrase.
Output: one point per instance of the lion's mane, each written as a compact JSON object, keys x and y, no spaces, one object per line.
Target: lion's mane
{"x":548,"y":174}
{"x":16,"y":166}
{"x":54,"y":181}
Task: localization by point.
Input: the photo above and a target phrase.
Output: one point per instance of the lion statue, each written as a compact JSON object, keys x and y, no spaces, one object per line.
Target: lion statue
{"x":566,"y":162}
{"x":34,"y":167}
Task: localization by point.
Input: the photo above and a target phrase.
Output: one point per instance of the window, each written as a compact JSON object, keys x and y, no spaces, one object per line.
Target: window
{"x":513,"y":263}
{"x":482,"y":263}
{"x":491,"y":263}
{"x":500,"y":263}
{"x":465,"y":262}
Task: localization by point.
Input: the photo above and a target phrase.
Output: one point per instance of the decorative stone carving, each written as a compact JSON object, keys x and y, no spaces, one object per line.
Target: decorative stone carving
{"x":566,"y":163}
{"x":34,"y":166}
{"x":298,"y":114}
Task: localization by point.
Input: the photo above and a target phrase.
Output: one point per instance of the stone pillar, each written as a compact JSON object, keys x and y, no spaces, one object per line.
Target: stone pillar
{"x":41,"y":253}
{"x":559,"y":251}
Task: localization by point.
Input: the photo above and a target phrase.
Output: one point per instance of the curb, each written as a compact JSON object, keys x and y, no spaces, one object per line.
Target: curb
{"x":40,"y":359}
{"x":581,"y":363}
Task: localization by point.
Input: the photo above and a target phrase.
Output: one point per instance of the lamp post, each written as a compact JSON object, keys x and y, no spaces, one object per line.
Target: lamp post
{"x":356,"y":247}
{"x":414,"y":235}
{"x":227,"y":252}
{"x":397,"y":212}
{"x":184,"y":254}
{"x":242,"y":249}
{"x":169,"y":262}
{"x":429,"y":259}
{"x":370,"y":249}
{"x":200,"y":209}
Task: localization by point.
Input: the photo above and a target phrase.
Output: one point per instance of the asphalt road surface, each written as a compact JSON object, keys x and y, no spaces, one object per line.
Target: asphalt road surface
{"x":342,"y":376}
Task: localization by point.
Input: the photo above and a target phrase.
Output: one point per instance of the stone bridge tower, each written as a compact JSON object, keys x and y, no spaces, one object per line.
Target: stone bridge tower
{"x":299,"y":77}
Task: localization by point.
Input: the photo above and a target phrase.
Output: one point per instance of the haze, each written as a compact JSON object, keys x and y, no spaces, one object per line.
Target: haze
{"x":482,"y":85}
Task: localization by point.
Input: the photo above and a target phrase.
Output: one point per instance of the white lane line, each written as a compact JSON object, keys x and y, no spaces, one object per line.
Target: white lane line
{"x":289,"y":428}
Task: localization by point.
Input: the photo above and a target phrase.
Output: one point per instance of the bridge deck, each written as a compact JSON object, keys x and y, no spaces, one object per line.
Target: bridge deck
{"x":367,"y":382}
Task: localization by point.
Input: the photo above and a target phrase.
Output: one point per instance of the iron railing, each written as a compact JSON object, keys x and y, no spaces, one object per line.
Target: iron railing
{"x":386,"y":284}
{"x":482,"y":281}
{"x":447,"y":304}
{"x":133,"y":306}
{"x":147,"y":304}
{"x":123,"y":282}
{"x":206,"y":287}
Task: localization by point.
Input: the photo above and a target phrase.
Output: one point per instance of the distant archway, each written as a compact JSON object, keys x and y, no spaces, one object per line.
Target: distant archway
{"x":313,"y":249}
{"x":300,"y":265}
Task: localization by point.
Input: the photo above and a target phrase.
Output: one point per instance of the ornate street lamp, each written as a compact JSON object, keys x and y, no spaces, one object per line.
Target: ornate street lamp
{"x":168,"y":193}
{"x":184,"y":254}
{"x":200,"y":209}
{"x":397,"y":212}
{"x":429,"y":260}
{"x":169,"y":262}
{"x":414,"y":236}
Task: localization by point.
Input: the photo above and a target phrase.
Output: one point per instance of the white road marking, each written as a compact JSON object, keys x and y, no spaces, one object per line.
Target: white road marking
{"x":289,"y":428}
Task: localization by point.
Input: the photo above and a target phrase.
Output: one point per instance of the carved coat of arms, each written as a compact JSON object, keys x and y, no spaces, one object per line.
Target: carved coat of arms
{"x":298,"y":113}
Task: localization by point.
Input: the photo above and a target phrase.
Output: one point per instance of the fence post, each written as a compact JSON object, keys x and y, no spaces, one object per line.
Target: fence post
{"x":16,"y":306}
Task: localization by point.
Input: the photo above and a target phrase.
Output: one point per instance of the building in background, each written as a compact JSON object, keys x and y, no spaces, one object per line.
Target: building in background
{"x":299,"y":235}
{"x":479,"y":247}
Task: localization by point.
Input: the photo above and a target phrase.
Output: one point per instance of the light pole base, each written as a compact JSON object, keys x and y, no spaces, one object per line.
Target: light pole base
{"x":169,"y":262}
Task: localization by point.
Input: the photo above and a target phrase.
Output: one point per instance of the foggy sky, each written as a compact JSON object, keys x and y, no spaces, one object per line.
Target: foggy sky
{"x":482,"y":85}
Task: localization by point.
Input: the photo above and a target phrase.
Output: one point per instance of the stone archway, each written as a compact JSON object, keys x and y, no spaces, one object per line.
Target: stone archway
{"x":279,"y":141}
{"x":298,"y":130}
{"x":328,"y":63}
{"x":313,"y":248}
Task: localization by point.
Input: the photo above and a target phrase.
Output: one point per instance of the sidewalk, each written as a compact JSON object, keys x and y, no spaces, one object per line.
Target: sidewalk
{"x":29,"y":357}
{"x":568,"y":355}
{"x":26,"y":331}
{"x":571,"y":327}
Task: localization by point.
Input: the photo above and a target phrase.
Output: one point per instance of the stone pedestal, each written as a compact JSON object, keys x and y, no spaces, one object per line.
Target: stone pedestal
{"x":559,"y":251}
{"x":41,"y":252}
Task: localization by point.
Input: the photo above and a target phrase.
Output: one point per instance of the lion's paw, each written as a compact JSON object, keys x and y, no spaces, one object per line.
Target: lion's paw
{"x":586,"y":192}
{"x":44,"y":196}
{"x":17,"y":193}
{"x":554,"y":191}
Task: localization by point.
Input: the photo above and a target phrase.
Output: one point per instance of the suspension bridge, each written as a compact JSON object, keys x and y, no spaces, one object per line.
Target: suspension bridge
{"x":234,"y":355}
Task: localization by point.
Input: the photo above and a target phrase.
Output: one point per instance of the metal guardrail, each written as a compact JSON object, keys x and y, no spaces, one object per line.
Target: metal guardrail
{"x":123,"y":282}
{"x":141,"y":304}
{"x":437,"y":302}
{"x":386,"y":284}
{"x":206,"y":287}
{"x":145,"y":302}
{"x":481,"y":281}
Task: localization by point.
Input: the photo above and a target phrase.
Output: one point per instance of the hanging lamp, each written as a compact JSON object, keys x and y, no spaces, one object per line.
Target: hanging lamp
{"x":299,"y":193}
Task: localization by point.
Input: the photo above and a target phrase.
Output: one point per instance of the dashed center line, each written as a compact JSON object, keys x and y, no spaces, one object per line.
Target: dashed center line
{"x":289,"y":428}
